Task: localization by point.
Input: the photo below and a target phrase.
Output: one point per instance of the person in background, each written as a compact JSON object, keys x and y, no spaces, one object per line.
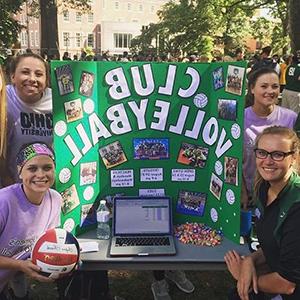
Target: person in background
{"x":287,"y":59}
{"x":29,"y":108}
{"x":239,"y":54}
{"x":275,"y":267}
{"x":262,"y":112}
{"x":291,"y":92}
{"x":27,"y":210}
{"x":266,"y":61}
{"x":160,"y":286}
{"x":66,"y":56}
{"x":3,"y":124}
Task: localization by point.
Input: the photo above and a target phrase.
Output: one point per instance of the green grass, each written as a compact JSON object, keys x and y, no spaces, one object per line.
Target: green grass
{"x":136,"y":285}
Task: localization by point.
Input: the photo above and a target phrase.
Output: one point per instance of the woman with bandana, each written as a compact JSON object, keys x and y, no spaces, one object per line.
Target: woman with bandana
{"x":27,"y":209}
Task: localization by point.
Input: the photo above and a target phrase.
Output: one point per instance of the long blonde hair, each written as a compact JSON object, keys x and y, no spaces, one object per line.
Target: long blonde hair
{"x":3,"y":118}
{"x":286,"y":133}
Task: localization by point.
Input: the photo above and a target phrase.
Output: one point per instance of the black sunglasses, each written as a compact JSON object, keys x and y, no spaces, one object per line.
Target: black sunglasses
{"x":275,"y":155}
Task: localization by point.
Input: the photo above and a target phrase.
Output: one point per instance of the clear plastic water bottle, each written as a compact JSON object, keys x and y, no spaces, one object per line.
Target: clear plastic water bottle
{"x":103,"y":229}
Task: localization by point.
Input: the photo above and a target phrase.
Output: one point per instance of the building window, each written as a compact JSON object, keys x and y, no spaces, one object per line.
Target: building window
{"x":78,"y":17}
{"x":23,"y":38}
{"x":90,"y":17}
{"x":66,"y":15}
{"x":31,"y":39}
{"x":129,"y":6}
{"x":91,"y":40}
{"x":78,"y":39}
{"x":122,"y":40}
{"x":36,"y":38}
{"x":117,"y":6}
{"x":66,"y":39}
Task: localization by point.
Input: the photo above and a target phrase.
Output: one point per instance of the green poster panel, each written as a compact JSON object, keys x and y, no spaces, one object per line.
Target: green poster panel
{"x":150,"y":129}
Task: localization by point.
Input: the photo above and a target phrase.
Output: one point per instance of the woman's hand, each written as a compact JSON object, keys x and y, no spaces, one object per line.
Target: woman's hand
{"x":247,"y":278}
{"x":33,"y":271}
{"x":233,"y":262}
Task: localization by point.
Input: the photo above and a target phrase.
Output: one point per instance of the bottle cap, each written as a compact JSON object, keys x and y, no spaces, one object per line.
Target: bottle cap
{"x":103,"y":202}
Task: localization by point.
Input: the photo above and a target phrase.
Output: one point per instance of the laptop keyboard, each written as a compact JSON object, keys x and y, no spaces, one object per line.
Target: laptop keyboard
{"x":142,"y":241}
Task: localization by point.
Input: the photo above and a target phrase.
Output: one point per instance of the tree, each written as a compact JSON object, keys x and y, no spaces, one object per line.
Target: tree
{"x":9,"y":26}
{"x":294,"y":24}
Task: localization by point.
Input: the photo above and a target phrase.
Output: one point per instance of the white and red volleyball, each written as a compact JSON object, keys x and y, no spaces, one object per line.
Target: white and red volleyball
{"x":56,"y":252}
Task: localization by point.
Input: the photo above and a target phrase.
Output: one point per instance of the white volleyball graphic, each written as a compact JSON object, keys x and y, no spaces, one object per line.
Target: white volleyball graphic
{"x":214,"y":215}
{"x":64,"y":175}
{"x":88,"y":193}
{"x":88,"y":106}
{"x":69,"y":225}
{"x":235,"y":131}
{"x":230,"y":197}
{"x":60,"y":128}
{"x":218,"y":167}
{"x":200,"y":100}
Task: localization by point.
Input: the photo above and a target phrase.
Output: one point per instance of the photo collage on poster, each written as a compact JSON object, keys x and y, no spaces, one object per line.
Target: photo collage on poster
{"x":227,"y":110}
{"x":116,"y":157}
{"x":74,"y":111}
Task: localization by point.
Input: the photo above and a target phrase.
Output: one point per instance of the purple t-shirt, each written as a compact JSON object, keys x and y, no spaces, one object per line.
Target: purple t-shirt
{"x":254,"y":125}
{"x":22,"y":222}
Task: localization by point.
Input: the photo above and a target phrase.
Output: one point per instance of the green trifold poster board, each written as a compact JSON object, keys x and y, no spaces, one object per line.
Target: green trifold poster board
{"x":147,"y":129}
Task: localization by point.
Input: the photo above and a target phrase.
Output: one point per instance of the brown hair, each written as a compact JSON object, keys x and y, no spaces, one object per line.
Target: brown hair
{"x":16,"y":60}
{"x":286,"y":133}
{"x":3,"y":119}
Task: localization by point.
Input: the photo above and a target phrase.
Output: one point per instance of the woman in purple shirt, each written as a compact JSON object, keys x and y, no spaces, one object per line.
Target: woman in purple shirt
{"x":263,"y":92}
{"x":27,"y":209}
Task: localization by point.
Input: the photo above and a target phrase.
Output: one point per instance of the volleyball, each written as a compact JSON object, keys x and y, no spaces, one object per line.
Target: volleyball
{"x":64,"y":175}
{"x":200,"y":100}
{"x":235,"y":131}
{"x":56,"y":252}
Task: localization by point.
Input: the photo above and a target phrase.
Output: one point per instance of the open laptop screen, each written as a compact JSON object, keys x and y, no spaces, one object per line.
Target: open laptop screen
{"x":142,"y":216}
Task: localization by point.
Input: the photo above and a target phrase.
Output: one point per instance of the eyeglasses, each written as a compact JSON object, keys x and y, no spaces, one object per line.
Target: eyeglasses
{"x":275,"y":155}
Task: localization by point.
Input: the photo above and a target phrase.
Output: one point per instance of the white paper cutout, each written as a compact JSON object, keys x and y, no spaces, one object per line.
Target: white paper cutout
{"x":235,"y":131}
{"x":60,"y":128}
{"x":69,"y":225}
{"x":200,"y":100}
{"x":183,"y":174}
{"x":218,"y":167}
{"x":230,"y":197}
{"x":64,"y":175}
{"x":214,"y":215}
{"x":152,"y":192}
{"x":88,"y":193}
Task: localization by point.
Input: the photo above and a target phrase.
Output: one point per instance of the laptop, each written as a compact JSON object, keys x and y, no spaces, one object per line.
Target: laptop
{"x":142,"y":226}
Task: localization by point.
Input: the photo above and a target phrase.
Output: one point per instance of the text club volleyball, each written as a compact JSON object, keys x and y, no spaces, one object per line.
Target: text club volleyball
{"x":56,"y":252}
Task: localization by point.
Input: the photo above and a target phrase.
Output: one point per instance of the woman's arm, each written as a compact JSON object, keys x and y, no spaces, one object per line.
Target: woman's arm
{"x":25,"y":266}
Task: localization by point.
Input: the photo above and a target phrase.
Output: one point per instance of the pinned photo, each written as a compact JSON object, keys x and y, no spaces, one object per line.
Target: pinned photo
{"x":215,"y":186}
{"x":70,"y":199}
{"x":64,"y":79}
{"x":231,"y":170}
{"x":73,"y":110}
{"x":218,"y":80}
{"x":88,"y":215}
{"x":86,"y":83}
{"x":88,"y":173}
{"x":227,"y":109}
{"x":112,"y":155}
{"x":234,"y":80}
{"x":153,"y":149}
{"x":192,"y":155}
{"x":191,"y":203}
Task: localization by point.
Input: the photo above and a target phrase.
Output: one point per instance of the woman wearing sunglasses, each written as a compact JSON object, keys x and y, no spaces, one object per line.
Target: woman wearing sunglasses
{"x":275,"y":267}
